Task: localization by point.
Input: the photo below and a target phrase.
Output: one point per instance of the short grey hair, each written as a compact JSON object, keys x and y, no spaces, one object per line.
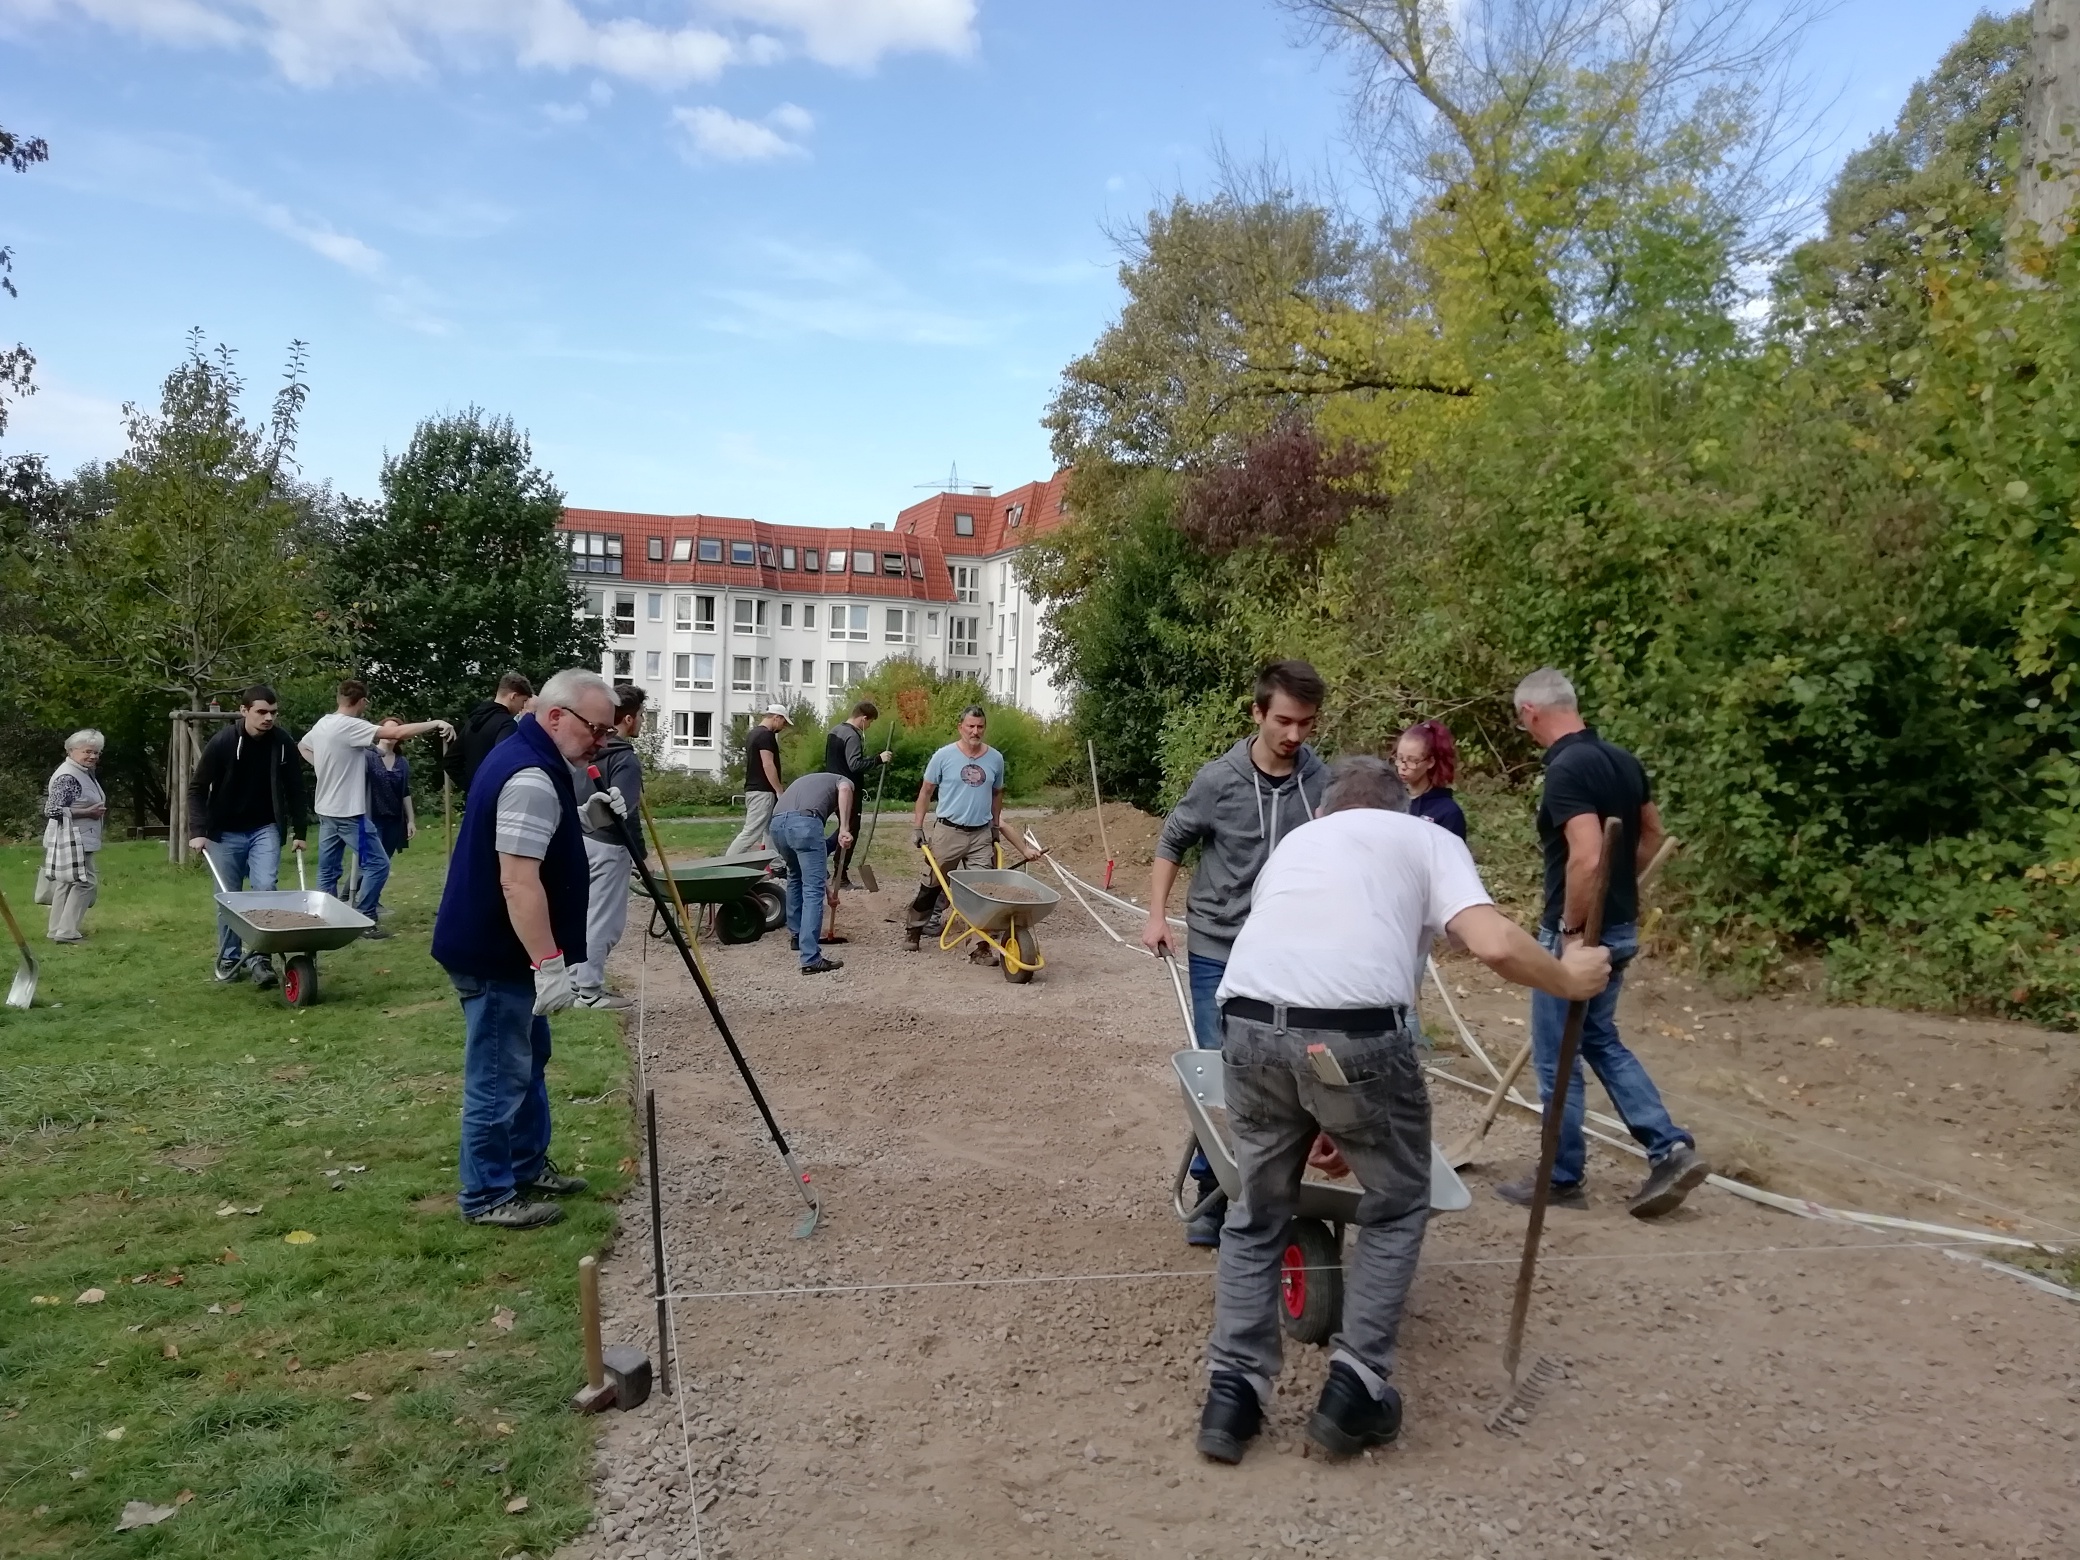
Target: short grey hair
{"x":1364,"y":781}
{"x":86,"y":736}
{"x":570,"y":685}
{"x":1546,"y":689}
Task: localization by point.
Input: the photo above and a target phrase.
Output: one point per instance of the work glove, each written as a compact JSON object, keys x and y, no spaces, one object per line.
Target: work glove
{"x":917,"y":838}
{"x":603,"y":809}
{"x":553,"y":991}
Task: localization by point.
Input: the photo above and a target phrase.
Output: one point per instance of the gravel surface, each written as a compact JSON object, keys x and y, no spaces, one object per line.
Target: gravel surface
{"x":1738,"y":1381}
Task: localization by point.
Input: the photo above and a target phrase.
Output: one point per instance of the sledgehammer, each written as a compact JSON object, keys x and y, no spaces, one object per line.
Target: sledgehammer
{"x":614,"y":1378}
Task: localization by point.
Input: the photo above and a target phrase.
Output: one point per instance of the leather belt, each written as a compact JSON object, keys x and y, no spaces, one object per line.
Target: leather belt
{"x":1352,"y":1021}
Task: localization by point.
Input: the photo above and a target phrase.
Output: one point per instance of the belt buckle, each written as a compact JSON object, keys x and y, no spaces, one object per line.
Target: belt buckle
{"x":1278,"y":1017}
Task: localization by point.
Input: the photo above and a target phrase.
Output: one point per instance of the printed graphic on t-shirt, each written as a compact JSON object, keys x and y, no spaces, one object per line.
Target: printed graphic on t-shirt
{"x":971,"y":774}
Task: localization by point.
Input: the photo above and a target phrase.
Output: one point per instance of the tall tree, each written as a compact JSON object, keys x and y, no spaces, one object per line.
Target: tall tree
{"x":459,"y":574}
{"x":17,"y":362}
{"x":2051,"y":125}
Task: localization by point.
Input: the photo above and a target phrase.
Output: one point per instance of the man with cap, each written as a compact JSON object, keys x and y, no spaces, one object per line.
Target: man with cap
{"x":761,"y":778}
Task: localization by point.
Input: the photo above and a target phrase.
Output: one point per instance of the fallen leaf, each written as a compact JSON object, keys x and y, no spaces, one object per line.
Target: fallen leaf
{"x":504,"y":1428}
{"x":234,"y":1308}
{"x":215,"y":1310}
{"x":296,"y":1123}
{"x":628,"y":1166}
{"x":248,"y":1060}
{"x":516,"y":1505}
{"x":359,"y":1397}
{"x":143,"y":1278}
{"x":142,"y":1513}
{"x":444,"y":1354}
{"x":226,"y":1257}
{"x":46,"y":1299}
{"x":184,"y":1497}
{"x":356,"y":1169}
{"x":91,"y":1297}
{"x":167,"y":1351}
{"x":294,"y":1365}
{"x":113,"y":1435}
{"x":503,"y":1319}
{"x":174,"y":1280}
{"x":298,"y":1238}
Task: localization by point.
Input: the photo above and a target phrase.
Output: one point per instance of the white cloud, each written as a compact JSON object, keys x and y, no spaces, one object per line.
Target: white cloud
{"x":716,"y":135}
{"x":315,"y":42}
{"x":806,"y":290}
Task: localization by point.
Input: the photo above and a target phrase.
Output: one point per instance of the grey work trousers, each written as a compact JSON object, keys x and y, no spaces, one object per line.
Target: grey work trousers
{"x":70,"y":903}
{"x":608,"y":870}
{"x":758,"y":817}
{"x":1380,"y":1120}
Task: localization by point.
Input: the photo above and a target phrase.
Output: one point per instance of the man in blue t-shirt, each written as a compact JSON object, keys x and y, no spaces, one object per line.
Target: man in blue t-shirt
{"x":967,"y":778}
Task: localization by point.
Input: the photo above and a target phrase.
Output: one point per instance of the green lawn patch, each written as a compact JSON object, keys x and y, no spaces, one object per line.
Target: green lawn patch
{"x":353,"y":1395}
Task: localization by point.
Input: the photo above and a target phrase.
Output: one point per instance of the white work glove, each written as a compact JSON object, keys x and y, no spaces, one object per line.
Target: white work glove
{"x":553,"y":991}
{"x":601,"y":809}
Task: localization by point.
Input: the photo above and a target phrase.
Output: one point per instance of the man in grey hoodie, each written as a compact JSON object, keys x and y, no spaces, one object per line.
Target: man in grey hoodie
{"x":1237,"y":810}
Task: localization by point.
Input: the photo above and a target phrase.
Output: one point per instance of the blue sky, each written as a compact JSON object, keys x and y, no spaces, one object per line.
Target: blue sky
{"x":779,"y":258}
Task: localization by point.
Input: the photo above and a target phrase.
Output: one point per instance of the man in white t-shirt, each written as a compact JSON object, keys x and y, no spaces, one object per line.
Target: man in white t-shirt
{"x":1319,"y":1040}
{"x":336,"y":748}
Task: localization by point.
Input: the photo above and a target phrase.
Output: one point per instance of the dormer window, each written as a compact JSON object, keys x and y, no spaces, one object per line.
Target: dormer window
{"x":682,"y":549}
{"x":711,"y":549}
{"x":963,"y":525}
{"x":1014,"y":514}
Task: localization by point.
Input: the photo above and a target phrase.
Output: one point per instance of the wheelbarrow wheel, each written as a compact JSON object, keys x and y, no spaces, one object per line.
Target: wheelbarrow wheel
{"x":740,"y":921}
{"x":1310,"y":1283}
{"x":1021,"y":942}
{"x":772,"y":904}
{"x":299,"y":980}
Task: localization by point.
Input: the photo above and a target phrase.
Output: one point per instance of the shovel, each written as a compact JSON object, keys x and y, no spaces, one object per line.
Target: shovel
{"x":23,"y":991}
{"x":867,"y":875}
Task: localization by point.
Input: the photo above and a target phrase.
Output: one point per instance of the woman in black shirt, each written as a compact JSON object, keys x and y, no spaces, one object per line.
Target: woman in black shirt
{"x":1426,"y":758}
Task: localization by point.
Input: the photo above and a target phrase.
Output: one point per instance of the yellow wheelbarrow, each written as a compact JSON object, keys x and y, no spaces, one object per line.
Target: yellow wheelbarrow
{"x":992,"y":903}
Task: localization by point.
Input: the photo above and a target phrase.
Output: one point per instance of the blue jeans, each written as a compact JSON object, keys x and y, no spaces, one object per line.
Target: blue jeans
{"x":798,"y":837}
{"x":1620,"y":1072}
{"x":1205,"y":977}
{"x":256,"y":854}
{"x":505,"y":1090}
{"x":336,"y":836}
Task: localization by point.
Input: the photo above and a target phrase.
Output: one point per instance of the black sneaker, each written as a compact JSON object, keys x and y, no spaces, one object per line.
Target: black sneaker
{"x":910,"y":938}
{"x":1519,"y":1192}
{"x":516,"y":1213}
{"x":377,"y":934}
{"x":823,"y":966}
{"x":1231,"y":1419}
{"x":552,"y":1182}
{"x":794,"y":944}
{"x":1668,"y":1183}
{"x":1349,"y":1418}
{"x":229,"y":970}
{"x":1204,"y":1228}
{"x":261,"y":968}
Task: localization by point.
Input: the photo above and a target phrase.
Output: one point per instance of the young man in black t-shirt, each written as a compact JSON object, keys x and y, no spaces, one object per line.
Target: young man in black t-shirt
{"x":761,"y":778}
{"x":1587,"y":781}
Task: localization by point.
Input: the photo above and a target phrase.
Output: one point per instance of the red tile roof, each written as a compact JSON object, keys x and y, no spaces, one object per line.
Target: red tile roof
{"x":925,"y":535}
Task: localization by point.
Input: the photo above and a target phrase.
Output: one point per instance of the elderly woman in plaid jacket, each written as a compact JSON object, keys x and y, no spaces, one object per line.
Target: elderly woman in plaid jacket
{"x":73,"y":808}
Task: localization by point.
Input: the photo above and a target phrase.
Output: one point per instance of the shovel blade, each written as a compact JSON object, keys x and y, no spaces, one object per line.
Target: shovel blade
{"x":23,"y":992}
{"x":868,"y":876}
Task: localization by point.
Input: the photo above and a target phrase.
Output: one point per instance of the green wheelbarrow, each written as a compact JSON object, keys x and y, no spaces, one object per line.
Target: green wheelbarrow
{"x":748,"y":903}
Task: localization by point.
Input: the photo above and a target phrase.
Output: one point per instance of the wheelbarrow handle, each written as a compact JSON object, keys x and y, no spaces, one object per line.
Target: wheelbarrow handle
{"x":211,"y":862}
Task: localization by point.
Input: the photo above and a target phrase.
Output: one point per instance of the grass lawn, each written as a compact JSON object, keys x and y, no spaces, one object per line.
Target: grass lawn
{"x":352,"y":1394}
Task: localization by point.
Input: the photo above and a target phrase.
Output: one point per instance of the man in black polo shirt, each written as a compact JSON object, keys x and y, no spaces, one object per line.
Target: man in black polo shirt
{"x":1587,"y":781}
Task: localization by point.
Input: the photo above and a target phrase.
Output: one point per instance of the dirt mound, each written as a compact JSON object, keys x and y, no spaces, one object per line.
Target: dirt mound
{"x":1074,"y":838}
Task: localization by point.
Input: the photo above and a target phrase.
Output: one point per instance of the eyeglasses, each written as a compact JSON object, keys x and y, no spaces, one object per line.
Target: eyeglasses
{"x":599,"y":733}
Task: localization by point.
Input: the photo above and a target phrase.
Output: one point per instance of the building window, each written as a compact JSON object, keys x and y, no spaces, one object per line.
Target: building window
{"x":961,"y":636}
{"x":808,"y":614}
{"x":682,"y":614}
{"x":765,"y":554}
{"x":809,"y":559}
{"x":1014,"y":630}
{"x":891,"y":563}
{"x":917,"y":568}
{"x":900,"y":627}
{"x":1000,"y":679}
{"x":682,"y":671}
{"x":787,"y":557}
{"x":758,"y":677}
{"x":654,"y":606}
{"x":682,"y":549}
{"x":656,"y":553}
{"x":1000,"y":636}
{"x":750,"y":616}
{"x":741,"y":552}
{"x":711,"y":549}
{"x":624,"y":665}
{"x":808,"y":674}
{"x":786,"y":672}
{"x":594,"y":552}
{"x":1003,"y":575}
{"x":653,"y":665}
{"x":740,"y":674}
{"x":967,"y":582}
{"x":787,"y":615}
{"x":650,"y":720}
{"x":855,"y":672}
{"x":963,"y":525}
{"x":681,"y":728}
{"x":624,"y":614}
{"x":848,"y":622}
{"x":931,"y":625}
{"x":703,"y":729}
{"x":704,"y":614}
{"x":1014,"y":514}
{"x":704,"y":672}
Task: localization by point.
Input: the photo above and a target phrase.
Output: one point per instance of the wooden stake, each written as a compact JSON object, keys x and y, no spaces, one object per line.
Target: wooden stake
{"x":588,"y":1320}
{"x":1098,"y":806}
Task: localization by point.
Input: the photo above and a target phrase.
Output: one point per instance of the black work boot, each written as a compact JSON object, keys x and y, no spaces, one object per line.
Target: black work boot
{"x":1204,"y":1228}
{"x":1349,"y":1418}
{"x":1232,"y":1417}
{"x":1680,"y":1173}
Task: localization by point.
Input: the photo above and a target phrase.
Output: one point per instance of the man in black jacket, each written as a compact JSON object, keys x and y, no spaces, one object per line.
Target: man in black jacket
{"x":488,"y":723}
{"x":246,"y":797}
{"x":845,"y":753}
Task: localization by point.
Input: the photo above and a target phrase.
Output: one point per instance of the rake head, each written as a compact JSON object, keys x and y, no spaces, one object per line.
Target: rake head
{"x":1525,"y":1394}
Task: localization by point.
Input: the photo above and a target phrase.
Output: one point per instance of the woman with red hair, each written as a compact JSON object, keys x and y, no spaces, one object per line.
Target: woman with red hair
{"x":1426,"y":758}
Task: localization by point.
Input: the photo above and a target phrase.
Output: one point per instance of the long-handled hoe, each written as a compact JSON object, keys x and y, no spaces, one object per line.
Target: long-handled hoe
{"x":806,"y":1226}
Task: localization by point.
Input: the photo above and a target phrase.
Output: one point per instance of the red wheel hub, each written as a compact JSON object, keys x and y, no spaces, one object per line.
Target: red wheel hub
{"x":292,"y":984}
{"x":1292,"y":1280}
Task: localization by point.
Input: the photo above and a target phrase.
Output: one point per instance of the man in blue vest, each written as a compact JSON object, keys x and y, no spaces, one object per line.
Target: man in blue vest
{"x":511,"y":925}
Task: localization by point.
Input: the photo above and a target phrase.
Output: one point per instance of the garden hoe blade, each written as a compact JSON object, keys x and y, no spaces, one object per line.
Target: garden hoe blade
{"x":23,"y":991}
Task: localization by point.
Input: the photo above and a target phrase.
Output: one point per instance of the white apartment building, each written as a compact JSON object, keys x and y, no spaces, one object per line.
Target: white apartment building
{"x":717,"y":617}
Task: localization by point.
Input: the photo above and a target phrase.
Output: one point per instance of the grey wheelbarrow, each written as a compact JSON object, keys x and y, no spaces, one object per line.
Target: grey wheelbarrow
{"x":299,"y":924}
{"x":999,"y":907}
{"x":1311,"y":1268}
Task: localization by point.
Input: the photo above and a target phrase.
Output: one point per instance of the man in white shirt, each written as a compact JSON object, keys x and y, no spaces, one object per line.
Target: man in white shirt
{"x":336,"y":749}
{"x":1319,"y":1038}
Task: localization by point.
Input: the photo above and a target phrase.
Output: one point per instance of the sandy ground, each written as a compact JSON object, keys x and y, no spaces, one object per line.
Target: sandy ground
{"x":1738,"y":1381}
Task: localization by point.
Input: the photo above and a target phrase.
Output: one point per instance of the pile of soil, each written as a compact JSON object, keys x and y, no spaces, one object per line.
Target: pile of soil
{"x":1074,"y":839}
{"x":283,"y":920}
{"x":1010,"y":893}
